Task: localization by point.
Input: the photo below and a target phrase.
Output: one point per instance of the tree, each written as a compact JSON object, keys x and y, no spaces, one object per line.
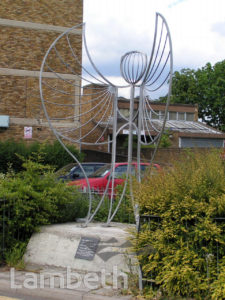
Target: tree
{"x":206,"y":87}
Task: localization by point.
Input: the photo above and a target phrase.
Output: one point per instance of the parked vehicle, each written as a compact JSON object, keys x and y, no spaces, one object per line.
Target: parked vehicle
{"x":73,"y":171}
{"x":98,"y":181}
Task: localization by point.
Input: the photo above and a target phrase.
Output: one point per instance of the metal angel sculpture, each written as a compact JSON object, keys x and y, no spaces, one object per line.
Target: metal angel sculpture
{"x":82,"y":106}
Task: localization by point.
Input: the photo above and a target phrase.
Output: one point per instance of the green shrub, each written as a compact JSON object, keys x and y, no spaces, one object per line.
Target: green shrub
{"x":124,"y":214}
{"x":55,"y":155}
{"x":52,"y":154}
{"x":181,"y":250}
{"x":32,"y":198}
{"x":14,"y":256}
{"x":165,"y":141}
{"x":218,"y":286}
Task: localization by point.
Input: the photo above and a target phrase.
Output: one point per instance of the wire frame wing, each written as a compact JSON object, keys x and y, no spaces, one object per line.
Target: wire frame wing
{"x":77,"y":99}
{"x":156,"y":83}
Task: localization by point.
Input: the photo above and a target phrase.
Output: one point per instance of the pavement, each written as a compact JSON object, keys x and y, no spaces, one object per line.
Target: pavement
{"x":53,"y":284}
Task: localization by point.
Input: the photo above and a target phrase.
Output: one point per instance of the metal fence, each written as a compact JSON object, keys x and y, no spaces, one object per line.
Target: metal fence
{"x":3,"y":226}
{"x":7,"y":211}
{"x":125,"y":214}
{"x":8,"y":232}
{"x":147,"y":222}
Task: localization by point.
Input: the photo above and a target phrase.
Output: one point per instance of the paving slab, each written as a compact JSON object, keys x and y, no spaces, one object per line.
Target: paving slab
{"x":27,"y":285}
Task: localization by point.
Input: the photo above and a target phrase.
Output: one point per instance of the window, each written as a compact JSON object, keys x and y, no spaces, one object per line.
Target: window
{"x":155,"y":114}
{"x":125,"y":112}
{"x":181,"y":116}
{"x":172,"y":115}
{"x":121,"y":170}
{"x":189,"y":117}
{"x":162,"y":115}
{"x":88,"y":170}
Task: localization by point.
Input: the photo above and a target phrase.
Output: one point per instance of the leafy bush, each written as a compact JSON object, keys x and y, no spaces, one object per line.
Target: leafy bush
{"x":55,"y":155}
{"x":124,"y":214}
{"x":165,"y":141}
{"x":32,"y":198}
{"x":218,"y":286}
{"x":182,"y":249}
{"x":52,"y":154}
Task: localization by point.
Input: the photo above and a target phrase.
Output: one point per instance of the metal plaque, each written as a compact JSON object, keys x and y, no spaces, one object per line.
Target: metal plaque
{"x":87,"y":248}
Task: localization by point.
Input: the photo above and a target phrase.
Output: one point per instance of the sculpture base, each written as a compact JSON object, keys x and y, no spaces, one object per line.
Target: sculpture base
{"x":93,"y":249}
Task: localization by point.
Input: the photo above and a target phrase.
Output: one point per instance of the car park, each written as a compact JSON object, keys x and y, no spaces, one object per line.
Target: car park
{"x":98,"y":181}
{"x":73,"y":171}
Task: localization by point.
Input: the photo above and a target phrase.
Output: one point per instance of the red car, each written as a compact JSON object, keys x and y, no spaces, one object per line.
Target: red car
{"x":98,"y":180}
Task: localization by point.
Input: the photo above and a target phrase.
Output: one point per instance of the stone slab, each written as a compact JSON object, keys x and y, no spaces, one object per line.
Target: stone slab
{"x":56,"y":246}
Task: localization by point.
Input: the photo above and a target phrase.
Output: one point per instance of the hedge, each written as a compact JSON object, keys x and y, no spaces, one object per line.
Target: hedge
{"x":182,"y":249}
{"x":52,"y":154}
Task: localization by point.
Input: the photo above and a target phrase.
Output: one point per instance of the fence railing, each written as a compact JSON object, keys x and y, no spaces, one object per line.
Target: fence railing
{"x":3,"y":226}
{"x":149,"y":220}
{"x":7,"y":230}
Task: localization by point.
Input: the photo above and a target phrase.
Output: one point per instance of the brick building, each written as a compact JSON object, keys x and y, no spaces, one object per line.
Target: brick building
{"x":27,"y":28}
{"x":182,"y":126}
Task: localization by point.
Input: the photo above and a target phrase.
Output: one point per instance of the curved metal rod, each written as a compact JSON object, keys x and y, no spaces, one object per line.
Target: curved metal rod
{"x":151,"y":65}
{"x":106,"y":127}
{"x":169,"y":91}
{"x":75,"y":104}
{"x":111,"y":216}
{"x":76,"y":58}
{"x":82,"y":143}
{"x":158,"y":64}
{"x":145,"y":127}
{"x":92,"y":63}
{"x":149,"y":119}
{"x":160,"y":73}
{"x":58,"y":76}
{"x":91,"y":216}
{"x":145,"y":124}
{"x":156,"y":54}
{"x":164,"y":81}
{"x":57,"y":90}
{"x":94,"y":127}
{"x":86,"y":112}
{"x":54,"y":131}
{"x":152,"y":52}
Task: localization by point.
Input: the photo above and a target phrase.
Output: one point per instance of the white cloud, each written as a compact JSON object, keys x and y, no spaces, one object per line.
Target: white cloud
{"x":118,"y":26}
{"x":219,"y":28}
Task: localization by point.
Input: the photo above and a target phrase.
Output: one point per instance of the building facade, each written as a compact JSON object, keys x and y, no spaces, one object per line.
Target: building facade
{"x":182,"y":127}
{"x":27,"y":29}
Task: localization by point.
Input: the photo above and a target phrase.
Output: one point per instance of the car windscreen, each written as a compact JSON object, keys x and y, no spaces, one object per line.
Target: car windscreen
{"x":88,"y":169}
{"x":66,"y":169}
{"x":102,"y":171}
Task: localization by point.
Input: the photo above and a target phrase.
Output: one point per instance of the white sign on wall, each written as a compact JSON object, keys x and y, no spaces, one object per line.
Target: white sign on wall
{"x":28,"y":132}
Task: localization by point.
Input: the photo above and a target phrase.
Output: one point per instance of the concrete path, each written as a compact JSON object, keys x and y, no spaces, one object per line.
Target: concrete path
{"x":39,"y":286}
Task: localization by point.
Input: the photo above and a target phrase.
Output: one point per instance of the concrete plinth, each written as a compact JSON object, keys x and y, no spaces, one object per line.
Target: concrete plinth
{"x":56,"y":246}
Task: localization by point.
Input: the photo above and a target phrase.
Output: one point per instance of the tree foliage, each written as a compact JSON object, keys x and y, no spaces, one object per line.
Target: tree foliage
{"x":206,"y":87}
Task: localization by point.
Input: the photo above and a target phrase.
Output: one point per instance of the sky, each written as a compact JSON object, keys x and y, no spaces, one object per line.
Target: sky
{"x":114,"y":27}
